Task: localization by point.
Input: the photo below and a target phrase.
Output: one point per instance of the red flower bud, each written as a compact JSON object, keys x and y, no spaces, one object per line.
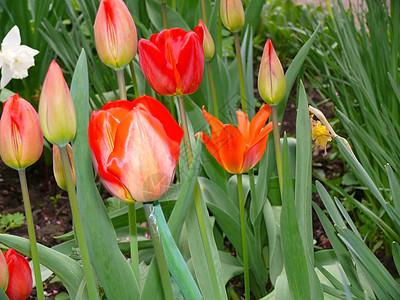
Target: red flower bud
{"x":20,"y":280}
{"x":21,"y":140}
{"x":208,"y":42}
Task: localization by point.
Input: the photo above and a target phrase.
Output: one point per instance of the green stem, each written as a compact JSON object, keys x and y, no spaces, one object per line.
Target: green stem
{"x":158,"y":248}
{"x":204,"y":12}
{"x":87,"y":269}
{"x":197,"y":199}
{"x":212,"y":87}
{"x":277,"y":143}
{"x":164,"y":14}
{"x":32,"y":235}
{"x":121,"y":84}
{"x":241,"y":76}
{"x":186,"y":138}
{"x":244,"y":239}
{"x":219,"y":31}
{"x":134,"y":81}
{"x":133,"y":240}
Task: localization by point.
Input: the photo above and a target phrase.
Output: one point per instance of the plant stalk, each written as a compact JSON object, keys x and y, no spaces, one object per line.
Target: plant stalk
{"x":31,"y":232}
{"x":277,"y":143}
{"x":244,"y":239}
{"x":204,"y":12}
{"x":77,"y":221}
{"x":121,"y":84}
{"x":134,"y":81}
{"x":158,"y":248}
{"x":212,"y":87}
{"x":241,"y":76}
{"x":164,"y":14}
{"x":133,"y":240}
{"x":197,"y":199}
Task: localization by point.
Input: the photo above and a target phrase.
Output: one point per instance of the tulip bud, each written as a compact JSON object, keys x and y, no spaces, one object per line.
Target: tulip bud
{"x":271,"y":79}
{"x":56,"y":109}
{"x":115,"y":34}
{"x":20,"y":276}
{"x":208,"y":42}
{"x":21,"y":140}
{"x":3,"y":272}
{"x":232,"y":14}
{"x":58,"y":169}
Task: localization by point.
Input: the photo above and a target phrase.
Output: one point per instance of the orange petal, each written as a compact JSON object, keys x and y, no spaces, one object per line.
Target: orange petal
{"x":216,"y":125}
{"x":253,"y":154}
{"x":231,"y":149}
{"x":210,"y":146}
{"x":259,"y":120}
{"x":243,"y":124}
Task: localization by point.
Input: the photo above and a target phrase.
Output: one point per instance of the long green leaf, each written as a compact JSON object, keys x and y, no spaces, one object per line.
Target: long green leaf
{"x":68,"y":270}
{"x":294,"y":256}
{"x":112,"y":269}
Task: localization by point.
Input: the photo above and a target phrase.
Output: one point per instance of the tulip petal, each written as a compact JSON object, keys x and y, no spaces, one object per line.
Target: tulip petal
{"x":210,"y":146}
{"x":158,"y":72}
{"x":144,"y":158}
{"x":171,"y":128}
{"x":231,"y":149}
{"x":20,"y":276}
{"x":259,"y":120}
{"x":254,"y":153}
{"x":190,"y":62}
{"x":243,"y":125}
{"x":102,"y":129}
{"x":216,"y":125}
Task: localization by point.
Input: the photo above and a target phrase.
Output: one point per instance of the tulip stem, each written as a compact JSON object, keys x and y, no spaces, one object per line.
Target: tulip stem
{"x":121,"y":84}
{"x":244,"y":239}
{"x":197,"y":199}
{"x":134,"y":80}
{"x":277,"y":143}
{"x":241,"y":76}
{"x":204,"y":12}
{"x":133,"y":240}
{"x":212,"y":86}
{"x":87,"y":269}
{"x":186,"y":138}
{"x":159,"y":251}
{"x":164,"y":14}
{"x":31,"y":232}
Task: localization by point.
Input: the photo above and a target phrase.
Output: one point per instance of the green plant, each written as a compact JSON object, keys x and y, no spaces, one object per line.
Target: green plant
{"x":9,"y":221}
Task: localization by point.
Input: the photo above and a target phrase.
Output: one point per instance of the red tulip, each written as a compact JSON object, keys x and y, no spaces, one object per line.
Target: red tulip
{"x":20,"y":276}
{"x":115,"y":34}
{"x":135,"y":148}
{"x":208,"y":42}
{"x":21,"y":140}
{"x":173,"y":61}
{"x":238,"y":150}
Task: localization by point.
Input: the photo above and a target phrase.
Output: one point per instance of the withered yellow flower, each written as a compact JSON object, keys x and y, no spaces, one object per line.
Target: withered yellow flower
{"x":320,"y":134}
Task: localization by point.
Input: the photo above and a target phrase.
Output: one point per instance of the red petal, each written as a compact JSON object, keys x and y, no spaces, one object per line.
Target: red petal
{"x":158,"y":72}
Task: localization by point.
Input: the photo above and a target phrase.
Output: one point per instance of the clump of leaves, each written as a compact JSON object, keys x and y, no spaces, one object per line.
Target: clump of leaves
{"x":9,"y":221}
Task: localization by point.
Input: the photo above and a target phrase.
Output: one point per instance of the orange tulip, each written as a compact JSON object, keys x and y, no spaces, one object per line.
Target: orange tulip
{"x":271,"y":79}
{"x":21,"y":140}
{"x":115,"y":34}
{"x":135,"y":148}
{"x":238,"y":150}
{"x":56,"y":108}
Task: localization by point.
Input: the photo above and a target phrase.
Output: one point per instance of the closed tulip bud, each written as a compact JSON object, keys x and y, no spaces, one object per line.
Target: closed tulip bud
{"x":271,"y":79}
{"x":21,"y":140}
{"x":20,"y":276}
{"x":208,"y":42}
{"x":232,"y":14}
{"x":3,"y":272}
{"x":58,"y":169}
{"x":56,"y":109}
{"x":115,"y":34}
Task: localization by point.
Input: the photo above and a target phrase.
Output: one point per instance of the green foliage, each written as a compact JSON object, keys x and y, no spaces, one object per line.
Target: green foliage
{"x":9,"y":221}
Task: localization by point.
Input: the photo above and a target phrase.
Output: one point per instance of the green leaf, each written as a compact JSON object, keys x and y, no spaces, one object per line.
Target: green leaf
{"x":396,"y":255}
{"x":394,"y":187}
{"x":294,"y":69}
{"x":155,"y":14}
{"x":112,"y":269}
{"x":68,"y":270}
{"x":294,"y":256}
{"x":3,"y":295}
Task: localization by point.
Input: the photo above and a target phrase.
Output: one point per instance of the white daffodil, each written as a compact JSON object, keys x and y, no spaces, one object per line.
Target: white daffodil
{"x":15,"y":59}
